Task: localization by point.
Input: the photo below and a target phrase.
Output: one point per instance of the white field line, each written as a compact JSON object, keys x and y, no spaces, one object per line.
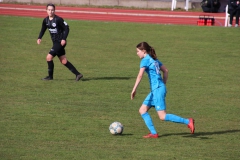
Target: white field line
{"x":109,"y":13}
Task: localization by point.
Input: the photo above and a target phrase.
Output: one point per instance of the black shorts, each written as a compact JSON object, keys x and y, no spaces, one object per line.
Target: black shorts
{"x":57,"y":50}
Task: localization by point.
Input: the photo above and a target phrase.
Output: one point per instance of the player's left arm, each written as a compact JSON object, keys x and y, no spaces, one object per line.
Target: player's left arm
{"x":165,"y":73}
{"x":65,"y":29}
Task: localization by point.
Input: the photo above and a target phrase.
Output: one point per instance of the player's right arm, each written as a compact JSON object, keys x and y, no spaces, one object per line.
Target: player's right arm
{"x":43,"y":29}
{"x":138,"y":80}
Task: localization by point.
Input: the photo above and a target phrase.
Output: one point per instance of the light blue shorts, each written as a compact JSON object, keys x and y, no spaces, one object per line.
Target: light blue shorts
{"x":156,"y":98}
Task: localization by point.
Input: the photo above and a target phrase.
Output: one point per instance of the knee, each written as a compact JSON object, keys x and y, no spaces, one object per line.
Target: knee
{"x":162,"y":115}
{"x":63,"y":61}
{"x":142,"y":110}
{"x":49,"y":57}
{"x":162,"y":118}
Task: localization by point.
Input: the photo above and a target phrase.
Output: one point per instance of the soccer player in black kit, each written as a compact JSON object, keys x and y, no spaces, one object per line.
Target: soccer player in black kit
{"x":58,"y":30}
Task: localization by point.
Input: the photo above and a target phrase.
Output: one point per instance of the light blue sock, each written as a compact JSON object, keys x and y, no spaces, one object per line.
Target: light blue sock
{"x":148,"y":121}
{"x":176,"y":119}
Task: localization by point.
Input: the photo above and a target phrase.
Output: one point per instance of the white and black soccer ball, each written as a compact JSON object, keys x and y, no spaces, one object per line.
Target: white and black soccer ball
{"x":116,"y":128}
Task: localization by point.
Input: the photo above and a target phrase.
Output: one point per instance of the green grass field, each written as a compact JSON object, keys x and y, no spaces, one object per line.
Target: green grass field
{"x":65,"y":120}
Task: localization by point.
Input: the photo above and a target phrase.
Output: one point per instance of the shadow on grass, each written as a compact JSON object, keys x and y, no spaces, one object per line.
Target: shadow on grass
{"x":105,"y":78}
{"x":129,"y":134}
{"x":120,"y":135}
{"x":201,"y":135}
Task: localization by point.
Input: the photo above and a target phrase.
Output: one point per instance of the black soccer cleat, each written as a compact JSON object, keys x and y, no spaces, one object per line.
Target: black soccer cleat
{"x":47,"y":78}
{"x":78,"y":77}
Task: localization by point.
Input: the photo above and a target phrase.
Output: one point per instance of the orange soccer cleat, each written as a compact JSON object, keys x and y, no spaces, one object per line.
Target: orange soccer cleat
{"x":150,"y":135}
{"x":191,"y":125}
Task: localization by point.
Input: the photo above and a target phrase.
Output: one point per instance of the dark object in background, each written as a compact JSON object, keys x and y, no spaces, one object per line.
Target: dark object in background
{"x":211,"y":6}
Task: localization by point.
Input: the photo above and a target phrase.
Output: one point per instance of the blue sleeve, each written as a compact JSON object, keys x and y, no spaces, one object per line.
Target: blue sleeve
{"x":160,"y":63}
{"x":144,"y":63}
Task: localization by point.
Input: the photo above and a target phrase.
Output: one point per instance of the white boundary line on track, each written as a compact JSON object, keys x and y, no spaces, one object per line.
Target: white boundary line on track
{"x":109,"y":13}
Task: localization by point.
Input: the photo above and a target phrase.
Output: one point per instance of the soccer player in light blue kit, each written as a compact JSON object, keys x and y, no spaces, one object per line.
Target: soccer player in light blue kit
{"x":156,"y":98}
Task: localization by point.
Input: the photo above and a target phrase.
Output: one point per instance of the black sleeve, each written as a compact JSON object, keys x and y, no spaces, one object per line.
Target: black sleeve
{"x":65,"y":28}
{"x":43,"y":29}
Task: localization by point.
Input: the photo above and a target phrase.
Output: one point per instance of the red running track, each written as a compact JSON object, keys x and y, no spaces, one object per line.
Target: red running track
{"x":119,"y":15}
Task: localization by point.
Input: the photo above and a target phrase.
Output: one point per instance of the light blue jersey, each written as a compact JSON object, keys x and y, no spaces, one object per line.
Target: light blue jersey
{"x":157,"y":95}
{"x":152,"y":68}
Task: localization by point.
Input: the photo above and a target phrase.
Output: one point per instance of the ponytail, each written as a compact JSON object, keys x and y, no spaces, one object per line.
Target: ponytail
{"x":150,"y":50}
{"x":152,"y":53}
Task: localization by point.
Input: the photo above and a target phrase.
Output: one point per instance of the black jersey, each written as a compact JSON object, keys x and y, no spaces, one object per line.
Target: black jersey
{"x":57,"y":27}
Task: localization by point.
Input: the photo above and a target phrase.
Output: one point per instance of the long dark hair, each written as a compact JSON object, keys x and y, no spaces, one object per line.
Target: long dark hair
{"x":150,"y":50}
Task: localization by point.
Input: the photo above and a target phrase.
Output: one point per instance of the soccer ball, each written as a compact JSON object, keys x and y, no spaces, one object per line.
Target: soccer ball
{"x":116,"y":128}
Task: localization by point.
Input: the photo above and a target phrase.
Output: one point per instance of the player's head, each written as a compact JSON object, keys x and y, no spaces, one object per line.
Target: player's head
{"x":50,"y":9}
{"x":50,"y":4}
{"x":144,"y":46}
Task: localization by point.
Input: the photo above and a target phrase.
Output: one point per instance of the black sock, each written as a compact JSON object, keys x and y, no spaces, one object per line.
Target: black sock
{"x":50,"y":68}
{"x":72,"y":68}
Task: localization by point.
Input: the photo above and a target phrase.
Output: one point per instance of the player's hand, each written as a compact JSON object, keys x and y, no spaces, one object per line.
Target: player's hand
{"x":133,"y":95}
{"x":39,"y":41}
{"x":63,"y":42}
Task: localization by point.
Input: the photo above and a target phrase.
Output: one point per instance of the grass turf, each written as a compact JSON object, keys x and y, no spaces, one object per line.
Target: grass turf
{"x":64,"y":119}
